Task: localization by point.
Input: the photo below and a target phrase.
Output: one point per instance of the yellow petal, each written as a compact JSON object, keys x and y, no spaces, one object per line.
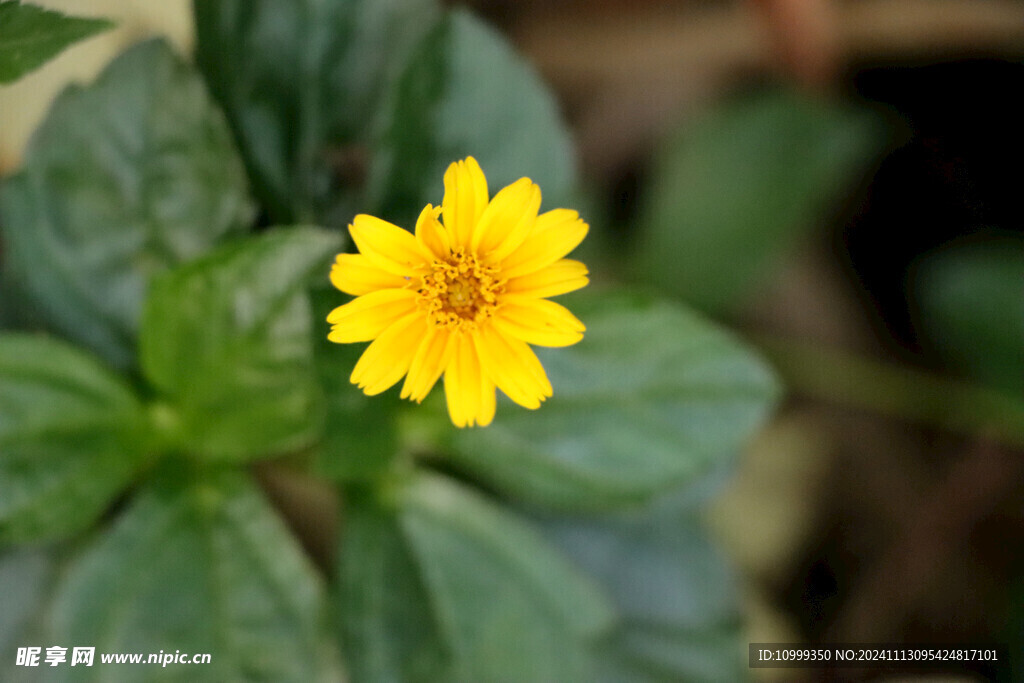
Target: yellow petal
{"x":432,"y":357}
{"x":465,"y":197}
{"x":355,"y":275}
{"x":469,"y":392}
{"x":538,"y":321}
{"x":365,"y":317}
{"x":431,"y":234}
{"x":560,"y":277}
{"x":513,"y":367}
{"x":507,"y":220}
{"x":387,"y":246}
{"x":554,"y":235}
{"x":389,"y":356}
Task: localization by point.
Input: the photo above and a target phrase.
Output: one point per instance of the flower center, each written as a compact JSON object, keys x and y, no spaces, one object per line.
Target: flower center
{"x":460,"y":292}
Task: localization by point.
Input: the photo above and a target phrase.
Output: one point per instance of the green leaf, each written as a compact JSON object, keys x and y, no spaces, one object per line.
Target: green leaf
{"x":26,"y":579}
{"x":971,"y":301}
{"x":732,"y":193}
{"x":226,"y":341}
{"x":125,"y":178}
{"x":301,"y":81}
{"x":465,"y":92}
{"x":439,"y":584}
{"x":652,"y":396}
{"x":31,"y":36}
{"x":199,"y":563}
{"x":509,"y":607}
{"x":388,"y":629}
{"x":72,"y":436}
{"x":360,"y":437}
{"x":676,"y":594}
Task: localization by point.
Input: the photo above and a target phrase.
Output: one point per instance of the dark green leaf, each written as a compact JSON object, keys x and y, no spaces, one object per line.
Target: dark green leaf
{"x":438,"y":584}
{"x":389,"y":631}
{"x":508,"y":607}
{"x":31,"y":36}
{"x":360,"y":437}
{"x":226,"y":340}
{"x":652,"y":396}
{"x":124,"y":179}
{"x":199,"y":563}
{"x":676,"y":595}
{"x":971,"y":300}
{"x":737,"y":189}
{"x":301,"y":81}
{"x":72,"y":435}
{"x":465,"y":92}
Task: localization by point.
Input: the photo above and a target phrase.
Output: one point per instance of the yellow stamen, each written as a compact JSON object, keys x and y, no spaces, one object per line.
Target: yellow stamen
{"x":459,"y":293}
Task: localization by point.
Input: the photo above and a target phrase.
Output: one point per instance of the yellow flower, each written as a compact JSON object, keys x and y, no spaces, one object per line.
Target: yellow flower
{"x":463,"y":299}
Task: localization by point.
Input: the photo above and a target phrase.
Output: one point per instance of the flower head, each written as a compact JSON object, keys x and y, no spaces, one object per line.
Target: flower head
{"x":463,"y":298}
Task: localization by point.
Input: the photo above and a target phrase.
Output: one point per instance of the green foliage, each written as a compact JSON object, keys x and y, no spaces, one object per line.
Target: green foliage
{"x":227,"y":342}
{"x":72,"y":436}
{"x":124,"y":179}
{"x":199,"y":563}
{"x":971,"y":298}
{"x":302,"y":82}
{"x":504,"y":605}
{"x":652,"y":396}
{"x":129,"y":231}
{"x":360,"y":436}
{"x":30,"y":36}
{"x":734,"y":191}
{"x":465,"y":92}
{"x":679,"y":612}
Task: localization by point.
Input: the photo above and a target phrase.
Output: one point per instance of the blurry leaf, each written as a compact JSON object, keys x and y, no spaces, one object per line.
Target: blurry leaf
{"x":735,"y":191}
{"x":71,"y":438}
{"x":301,"y":81}
{"x":227,"y":342}
{"x":124,"y":178}
{"x":680,"y":614}
{"x":651,"y":397}
{"x":466,"y":92}
{"x":360,"y":437}
{"x":30,"y":36}
{"x":510,"y":608}
{"x":971,"y":300}
{"x":388,"y":629}
{"x":449,"y":587}
{"x":24,"y":577}
{"x":201,"y":565}
{"x":26,"y":580}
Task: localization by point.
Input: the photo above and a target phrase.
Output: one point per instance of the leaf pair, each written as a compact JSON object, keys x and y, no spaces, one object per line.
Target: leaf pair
{"x":347,"y":107}
{"x":198,"y":563}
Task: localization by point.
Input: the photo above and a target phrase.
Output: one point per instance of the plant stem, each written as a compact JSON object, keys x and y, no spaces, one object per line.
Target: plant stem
{"x":848,"y":379}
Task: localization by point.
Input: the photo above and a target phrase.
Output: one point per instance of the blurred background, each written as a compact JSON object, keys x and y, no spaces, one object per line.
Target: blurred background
{"x":880,"y":268}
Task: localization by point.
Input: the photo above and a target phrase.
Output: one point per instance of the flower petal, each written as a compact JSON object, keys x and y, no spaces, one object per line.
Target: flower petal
{"x":560,"y":277}
{"x":432,"y":357}
{"x":538,"y":321}
{"x":389,"y":356}
{"x":465,"y":197}
{"x":365,"y":317}
{"x":387,"y":246}
{"x":355,"y":275}
{"x":469,"y":392}
{"x":431,"y":234}
{"x":507,"y":220}
{"x":554,"y":235}
{"x":513,"y":367}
